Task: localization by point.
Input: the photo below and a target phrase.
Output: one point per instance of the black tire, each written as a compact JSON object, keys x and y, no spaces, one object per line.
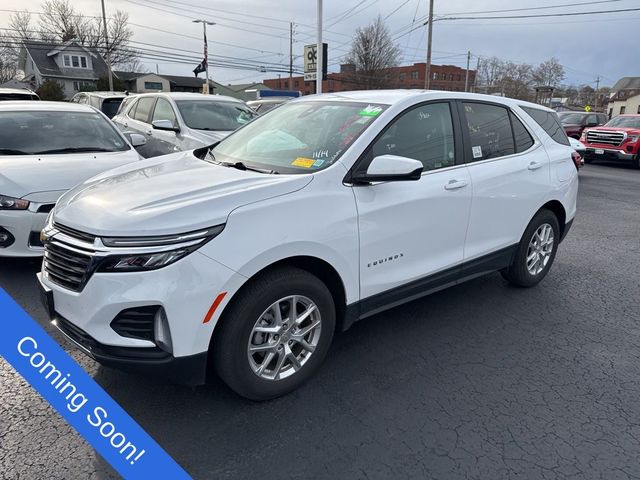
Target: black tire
{"x":230,"y":344}
{"x":518,"y":273}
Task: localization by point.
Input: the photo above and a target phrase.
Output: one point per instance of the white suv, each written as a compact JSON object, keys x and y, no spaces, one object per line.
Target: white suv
{"x":249,"y":255}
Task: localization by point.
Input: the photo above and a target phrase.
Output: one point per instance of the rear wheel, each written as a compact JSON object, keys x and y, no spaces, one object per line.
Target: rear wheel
{"x":536,"y":251}
{"x":275,"y":335}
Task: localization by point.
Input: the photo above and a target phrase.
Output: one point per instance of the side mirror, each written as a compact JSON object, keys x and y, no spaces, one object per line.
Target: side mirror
{"x":164,"y":125}
{"x":135,"y":139}
{"x":592,"y":124}
{"x":390,"y":168}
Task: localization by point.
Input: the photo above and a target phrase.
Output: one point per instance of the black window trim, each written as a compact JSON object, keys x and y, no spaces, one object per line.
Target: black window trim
{"x":365,"y":158}
{"x":468,"y":158}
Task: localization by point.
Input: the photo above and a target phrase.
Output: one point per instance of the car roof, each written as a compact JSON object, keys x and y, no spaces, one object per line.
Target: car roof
{"x":17,"y":90}
{"x":191,"y":96}
{"x":105,"y":94}
{"x":391,"y":97}
{"x":43,"y":106}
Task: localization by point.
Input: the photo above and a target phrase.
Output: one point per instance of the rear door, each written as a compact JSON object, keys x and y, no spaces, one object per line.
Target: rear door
{"x":510,"y":174}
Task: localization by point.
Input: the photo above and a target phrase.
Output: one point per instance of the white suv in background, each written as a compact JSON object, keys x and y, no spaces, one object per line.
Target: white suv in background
{"x":249,"y":255}
{"x":173,"y":122}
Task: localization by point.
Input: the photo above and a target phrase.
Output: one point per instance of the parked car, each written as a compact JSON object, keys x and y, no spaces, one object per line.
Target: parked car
{"x":252,"y":253}
{"x":580,"y":149}
{"x":173,"y":122}
{"x":263,"y":105}
{"x":575,"y":122}
{"x":45,"y":149}
{"x":618,"y":140}
{"x":107,"y":102}
{"x":17,"y":94}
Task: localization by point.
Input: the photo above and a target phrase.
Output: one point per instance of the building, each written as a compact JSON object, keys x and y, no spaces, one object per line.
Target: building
{"x":443,"y":77}
{"x":624,"y":97}
{"x":70,"y":64}
{"x":154,"y":82}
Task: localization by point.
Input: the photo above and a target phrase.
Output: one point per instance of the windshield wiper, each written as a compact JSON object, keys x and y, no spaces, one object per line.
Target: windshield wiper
{"x":11,"y":151}
{"x":242,"y":166}
{"x":74,"y":150}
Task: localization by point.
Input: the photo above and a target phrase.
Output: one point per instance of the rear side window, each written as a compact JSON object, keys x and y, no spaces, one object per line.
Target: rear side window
{"x":549,"y":123}
{"x":143,"y":109}
{"x":521,"y":136}
{"x":490,"y":131}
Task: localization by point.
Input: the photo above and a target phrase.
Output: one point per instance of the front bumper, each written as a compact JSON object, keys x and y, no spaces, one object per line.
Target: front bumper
{"x":25,"y":227}
{"x":185,"y":290}
{"x":608,"y":154}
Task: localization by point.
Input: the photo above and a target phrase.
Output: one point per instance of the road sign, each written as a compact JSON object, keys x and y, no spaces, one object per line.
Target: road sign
{"x":310,"y":61}
{"x":587,"y":108}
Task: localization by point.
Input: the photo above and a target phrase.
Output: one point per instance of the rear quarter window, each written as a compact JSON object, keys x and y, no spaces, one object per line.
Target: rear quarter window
{"x":548,"y":121}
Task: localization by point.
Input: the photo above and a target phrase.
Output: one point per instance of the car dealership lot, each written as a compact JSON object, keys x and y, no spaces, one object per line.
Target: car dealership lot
{"x":480,"y":381}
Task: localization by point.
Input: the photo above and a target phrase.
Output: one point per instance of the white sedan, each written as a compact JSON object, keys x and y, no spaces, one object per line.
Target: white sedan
{"x":45,"y":149}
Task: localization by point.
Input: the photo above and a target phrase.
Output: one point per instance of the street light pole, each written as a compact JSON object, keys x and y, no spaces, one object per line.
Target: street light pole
{"x":204,"y":23}
{"x":106,"y":45}
{"x":319,"y":52}
{"x":427,"y":78}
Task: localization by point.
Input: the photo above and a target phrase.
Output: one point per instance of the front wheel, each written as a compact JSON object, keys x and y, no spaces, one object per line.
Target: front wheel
{"x":275,"y":334}
{"x":536,"y":251}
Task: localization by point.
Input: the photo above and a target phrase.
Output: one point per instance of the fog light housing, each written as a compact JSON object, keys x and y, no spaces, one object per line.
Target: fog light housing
{"x":6,"y":238}
{"x":162,"y":332}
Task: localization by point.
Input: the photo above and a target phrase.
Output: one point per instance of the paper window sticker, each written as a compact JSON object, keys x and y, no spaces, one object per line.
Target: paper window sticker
{"x":477,"y":151}
{"x":318,"y":163}
{"x":370,"y":111}
{"x":303,"y":162}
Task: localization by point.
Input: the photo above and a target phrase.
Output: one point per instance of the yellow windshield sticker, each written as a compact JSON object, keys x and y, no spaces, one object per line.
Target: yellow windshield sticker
{"x":303,"y":162}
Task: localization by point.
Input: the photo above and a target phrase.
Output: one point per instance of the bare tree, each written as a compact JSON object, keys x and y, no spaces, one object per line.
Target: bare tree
{"x":373,"y":53}
{"x":61,"y":22}
{"x":505,"y":77}
{"x":549,"y":73}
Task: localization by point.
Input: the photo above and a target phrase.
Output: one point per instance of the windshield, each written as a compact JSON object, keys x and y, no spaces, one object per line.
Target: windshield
{"x":571,"y":118}
{"x":110,"y":106}
{"x":298,"y":137}
{"x":212,"y":115}
{"x":28,"y":133}
{"x":624,"y":122}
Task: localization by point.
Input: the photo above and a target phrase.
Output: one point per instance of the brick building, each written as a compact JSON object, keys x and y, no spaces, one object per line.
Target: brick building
{"x":443,"y":77}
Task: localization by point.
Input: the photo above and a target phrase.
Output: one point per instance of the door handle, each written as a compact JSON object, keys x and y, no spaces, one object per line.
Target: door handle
{"x":150,"y":132}
{"x":455,"y":184}
{"x":534,"y":165}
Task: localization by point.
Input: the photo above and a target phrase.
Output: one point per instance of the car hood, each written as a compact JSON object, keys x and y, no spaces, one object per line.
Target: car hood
{"x":24,"y":175}
{"x":175,"y":193}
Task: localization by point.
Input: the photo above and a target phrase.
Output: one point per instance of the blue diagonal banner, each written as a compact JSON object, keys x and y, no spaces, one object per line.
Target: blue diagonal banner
{"x":79,"y":399}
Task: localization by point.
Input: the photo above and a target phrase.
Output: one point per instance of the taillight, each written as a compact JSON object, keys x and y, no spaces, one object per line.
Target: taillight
{"x":577,"y":159}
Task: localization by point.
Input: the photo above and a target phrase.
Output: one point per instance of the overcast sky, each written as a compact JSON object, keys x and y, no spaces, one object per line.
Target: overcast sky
{"x":257,"y":31}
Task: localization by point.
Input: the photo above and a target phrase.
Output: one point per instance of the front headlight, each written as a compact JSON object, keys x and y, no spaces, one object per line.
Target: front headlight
{"x":10,"y":203}
{"x":166,"y":249}
{"x":633,"y":138}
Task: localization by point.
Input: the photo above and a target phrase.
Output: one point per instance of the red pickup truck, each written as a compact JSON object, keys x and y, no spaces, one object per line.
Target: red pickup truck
{"x":616,"y":140}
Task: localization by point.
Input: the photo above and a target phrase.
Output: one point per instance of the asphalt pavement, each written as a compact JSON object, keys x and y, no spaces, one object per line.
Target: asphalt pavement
{"x":481,"y":381}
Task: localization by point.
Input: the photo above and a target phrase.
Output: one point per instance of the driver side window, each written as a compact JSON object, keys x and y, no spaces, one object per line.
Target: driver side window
{"x":424,"y":133}
{"x":163,"y":111}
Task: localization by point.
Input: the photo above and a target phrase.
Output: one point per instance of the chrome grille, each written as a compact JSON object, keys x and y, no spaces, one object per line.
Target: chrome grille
{"x":68,"y":257}
{"x":70,"y":232}
{"x":605,"y":138}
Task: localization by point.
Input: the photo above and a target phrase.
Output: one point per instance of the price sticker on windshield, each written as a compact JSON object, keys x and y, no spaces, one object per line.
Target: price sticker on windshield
{"x":303,"y":162}
{"x":371,"y":111}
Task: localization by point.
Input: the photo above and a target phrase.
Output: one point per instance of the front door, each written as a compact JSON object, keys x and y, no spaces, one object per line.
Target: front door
{"x":412,"y":233}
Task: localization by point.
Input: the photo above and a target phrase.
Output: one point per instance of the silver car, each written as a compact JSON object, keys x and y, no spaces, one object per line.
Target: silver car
{"x":173,"y":122}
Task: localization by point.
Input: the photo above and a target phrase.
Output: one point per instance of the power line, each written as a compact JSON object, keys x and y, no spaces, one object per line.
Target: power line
{"x":543,"y":15}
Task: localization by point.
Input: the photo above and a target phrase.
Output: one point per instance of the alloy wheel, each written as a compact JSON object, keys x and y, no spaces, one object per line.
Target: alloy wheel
{"x":284,"y":337}
{"x":540,"y":249}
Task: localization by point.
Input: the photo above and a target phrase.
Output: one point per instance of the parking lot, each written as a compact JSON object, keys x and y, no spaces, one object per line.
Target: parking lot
{"x":482,"y":380}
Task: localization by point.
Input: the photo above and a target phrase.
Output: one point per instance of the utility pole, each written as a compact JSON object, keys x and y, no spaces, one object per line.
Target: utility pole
{"x":204,"y":23}
{"x":466,"y":77}
{"x":290,"y":55}
{"x":595,"y":105}
{"x":427,"y":73}
{"x":106,"y":46}
{"x":475,"y":81}
{"x":319,"y":52}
